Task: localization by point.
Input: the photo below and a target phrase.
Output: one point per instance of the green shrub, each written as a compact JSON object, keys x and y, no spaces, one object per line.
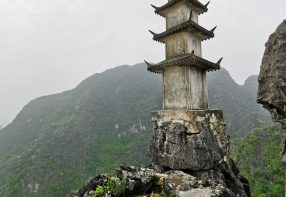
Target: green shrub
{"x":99,"y":191}
{"x":111,"y":185}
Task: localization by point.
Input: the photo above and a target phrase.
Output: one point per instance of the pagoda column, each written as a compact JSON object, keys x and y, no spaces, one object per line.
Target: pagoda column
{"x":187,"y":135}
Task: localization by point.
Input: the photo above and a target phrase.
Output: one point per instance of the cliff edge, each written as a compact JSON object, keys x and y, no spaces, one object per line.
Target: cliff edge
{"x":272,"y":78}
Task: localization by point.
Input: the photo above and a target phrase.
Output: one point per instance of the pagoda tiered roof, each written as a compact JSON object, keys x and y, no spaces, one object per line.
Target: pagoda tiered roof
{"x":200,"y":8}
{"x":187,"y":59}
{"x":189,"y":26}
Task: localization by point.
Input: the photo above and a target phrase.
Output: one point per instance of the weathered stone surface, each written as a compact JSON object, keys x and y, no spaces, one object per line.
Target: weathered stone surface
{"x":272,"y":78}
{"x":149,"y":182}
{"x":184,"y":87}
{"x":185,"y":139}
{"x":182,"y":184}
{"x":138,"y":180}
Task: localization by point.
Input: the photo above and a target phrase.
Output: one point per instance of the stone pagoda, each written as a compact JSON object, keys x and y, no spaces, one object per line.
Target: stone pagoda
{"x":190,"y":145}
{"x":187,"y":135}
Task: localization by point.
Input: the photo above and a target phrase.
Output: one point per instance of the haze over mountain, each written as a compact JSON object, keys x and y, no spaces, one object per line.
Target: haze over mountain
{"x":56,"y":142}
{"x":50,"y":46}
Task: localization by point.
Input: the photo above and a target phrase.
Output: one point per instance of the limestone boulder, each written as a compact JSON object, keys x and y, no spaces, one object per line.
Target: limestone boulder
{"x":135,"y":181}
{"x":272,"y":77}
{"x":193,"y":140}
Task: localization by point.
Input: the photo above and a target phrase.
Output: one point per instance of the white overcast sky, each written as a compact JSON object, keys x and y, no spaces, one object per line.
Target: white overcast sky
{"x":48,"y":46}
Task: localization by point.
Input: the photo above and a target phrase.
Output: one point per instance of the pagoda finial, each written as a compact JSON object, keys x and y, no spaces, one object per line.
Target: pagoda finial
{"x":207,"y":4}
{"x":219,"y":61}
{"x":213,"y":29}
{"x":154,"y":34}
{"x":155,"y":7}
{"x":191,"y":14}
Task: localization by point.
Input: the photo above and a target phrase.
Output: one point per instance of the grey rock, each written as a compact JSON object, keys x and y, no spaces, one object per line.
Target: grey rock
{"x":175,"y":183}
{"x":203,"y":183}
{"x":205,"y":192}
{"x":173,"y":148}
{"x":272,"y":78}
{"x":138,"y":180}
{"x":189,"y":144}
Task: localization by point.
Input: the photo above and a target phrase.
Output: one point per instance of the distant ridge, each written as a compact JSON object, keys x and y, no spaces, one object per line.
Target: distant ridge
{"x":56,"y":142}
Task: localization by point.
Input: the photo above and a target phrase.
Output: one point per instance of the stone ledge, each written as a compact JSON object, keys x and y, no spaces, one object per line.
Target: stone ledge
{"x":134,"y":181}
{"x":191,"y":119}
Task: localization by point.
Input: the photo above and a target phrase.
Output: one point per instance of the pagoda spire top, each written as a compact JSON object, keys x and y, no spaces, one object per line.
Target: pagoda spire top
{"x":184,"y":68}
{"x":197,"y":5}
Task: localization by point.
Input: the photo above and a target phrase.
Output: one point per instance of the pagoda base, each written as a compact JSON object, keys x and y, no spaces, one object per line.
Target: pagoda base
{"x":189,"y":139}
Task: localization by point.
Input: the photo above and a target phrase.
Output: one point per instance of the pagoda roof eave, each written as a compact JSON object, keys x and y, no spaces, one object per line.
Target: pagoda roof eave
{"x":198,"y":5}
{"x":189,"y":26}
{"x":187,"y":59}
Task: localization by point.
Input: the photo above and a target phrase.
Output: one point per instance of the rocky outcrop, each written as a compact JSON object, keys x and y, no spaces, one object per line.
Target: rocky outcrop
{"x":272,"y":78}
{"x":190,"y":154}
{"x":154,"y":181}
{"x":189,"y":139}
{"x":195,"y":144}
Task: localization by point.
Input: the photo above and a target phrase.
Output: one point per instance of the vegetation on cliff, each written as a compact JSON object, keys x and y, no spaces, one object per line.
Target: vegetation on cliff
{"x":259,"y":159}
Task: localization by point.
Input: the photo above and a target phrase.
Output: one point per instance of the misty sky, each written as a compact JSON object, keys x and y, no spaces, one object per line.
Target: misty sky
{"x":48,"y":46}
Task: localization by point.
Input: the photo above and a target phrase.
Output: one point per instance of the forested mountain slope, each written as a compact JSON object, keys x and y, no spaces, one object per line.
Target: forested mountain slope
{"x":259,"y":159}
{"x":56,"y":142}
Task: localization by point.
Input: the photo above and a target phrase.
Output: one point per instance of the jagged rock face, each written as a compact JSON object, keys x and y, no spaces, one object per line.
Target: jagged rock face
{"x":272,"y":77}
{"x":193,"y":140}
{"x":133,"y":181}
